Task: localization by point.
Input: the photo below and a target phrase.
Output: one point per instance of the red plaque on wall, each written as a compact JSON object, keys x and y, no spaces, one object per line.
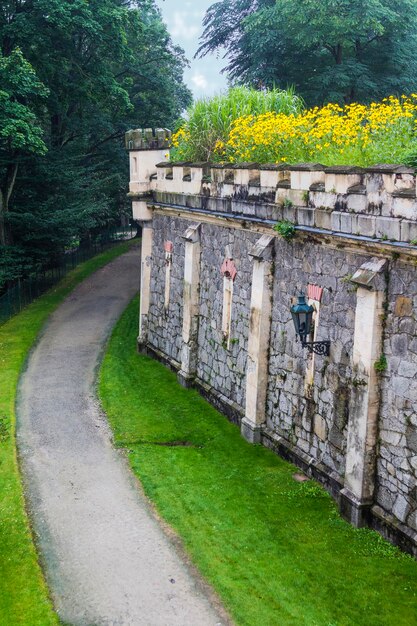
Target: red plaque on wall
{"x":314,"y":292}
{"x":228,"y":269}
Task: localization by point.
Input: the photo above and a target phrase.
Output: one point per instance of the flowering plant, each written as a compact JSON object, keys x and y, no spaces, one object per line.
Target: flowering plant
{"x":355,"y":134}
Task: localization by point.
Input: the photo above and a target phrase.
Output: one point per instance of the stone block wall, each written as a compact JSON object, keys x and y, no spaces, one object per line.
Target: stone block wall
{"x":397,"y":459}
{"x":348,"y":419}
{"x":313,"y":416}
{"x":222,"y":367}
{"x":165,"y":322}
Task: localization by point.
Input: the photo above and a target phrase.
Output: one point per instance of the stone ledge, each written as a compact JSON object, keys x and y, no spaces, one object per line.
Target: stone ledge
{"x":229,"y":218}
{"x":248,"y":204}
{"x":230,"y":409}
{"x":312,"y":468}
{"x":344,"y":169}
{"x":149,"y":350}
{"x":393,"y":530}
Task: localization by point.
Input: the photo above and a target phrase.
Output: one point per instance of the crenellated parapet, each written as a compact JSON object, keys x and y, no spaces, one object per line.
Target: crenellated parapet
{"x":148,"y":139}
{"x":378,"y":202}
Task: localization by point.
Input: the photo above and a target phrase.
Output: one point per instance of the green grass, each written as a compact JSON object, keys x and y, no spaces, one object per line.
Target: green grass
{"x":209,"y":120}
{"x":275,"y":550}
{"x":23,"y":594}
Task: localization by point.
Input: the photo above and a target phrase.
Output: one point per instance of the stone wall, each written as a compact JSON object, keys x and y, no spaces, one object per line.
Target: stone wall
{"x":348,"y":419}
{"x":397,"y":460}
{"x":165,"y":323}
{"x":378,"y":203}
{"x":313,"y":417}
{"x":221,"y":367}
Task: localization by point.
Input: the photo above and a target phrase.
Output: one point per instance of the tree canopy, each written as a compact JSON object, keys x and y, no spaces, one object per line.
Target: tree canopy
{"x":20,"y":130}
{"x":329,"y":50}
{"x":75,"y":75}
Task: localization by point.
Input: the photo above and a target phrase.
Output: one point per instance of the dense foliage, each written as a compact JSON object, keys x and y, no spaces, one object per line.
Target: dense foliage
{"x":74,"y":76}
{"x":208,"y":122}
{"x":354,"y":134}
{"x":329,"y":50}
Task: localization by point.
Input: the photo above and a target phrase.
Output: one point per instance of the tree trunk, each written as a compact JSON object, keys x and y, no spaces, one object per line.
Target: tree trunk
{"x":339,"y":51}
{"x":5,"y":194}
{"x":2,"y":221}
{"x":56,"y":130}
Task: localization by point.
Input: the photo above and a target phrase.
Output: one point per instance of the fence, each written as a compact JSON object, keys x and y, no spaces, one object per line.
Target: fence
{"x":26,"y":290}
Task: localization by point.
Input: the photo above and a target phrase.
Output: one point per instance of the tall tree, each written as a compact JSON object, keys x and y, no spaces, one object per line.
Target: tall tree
{"x":330,"y":50}
{"x":108,"y":65}
{"x":21,"y":93}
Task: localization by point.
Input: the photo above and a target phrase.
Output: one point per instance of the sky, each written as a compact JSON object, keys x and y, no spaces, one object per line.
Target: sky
{"x":184,"y":20}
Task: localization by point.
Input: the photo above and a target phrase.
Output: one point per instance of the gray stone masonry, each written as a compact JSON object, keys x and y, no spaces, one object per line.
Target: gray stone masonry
{"x":165,"y":324}
{"x":220,"y":366}
{"x":344,"y":218}
{"x":397,"y":462}
{"x":315,"y":418}
{"x":378,"y":202}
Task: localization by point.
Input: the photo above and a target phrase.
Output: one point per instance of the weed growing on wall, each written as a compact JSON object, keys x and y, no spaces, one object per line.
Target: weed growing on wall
{"x":286,"y":229}
{"x":381,"y":364}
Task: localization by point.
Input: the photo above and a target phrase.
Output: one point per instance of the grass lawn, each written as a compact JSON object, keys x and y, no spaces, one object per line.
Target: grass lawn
{"x":23,"y":594}
{"x":275,"y":550}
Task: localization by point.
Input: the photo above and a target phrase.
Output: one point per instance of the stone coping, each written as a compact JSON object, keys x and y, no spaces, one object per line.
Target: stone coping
{"x":387,"y":229}
{"x":297,"y":167}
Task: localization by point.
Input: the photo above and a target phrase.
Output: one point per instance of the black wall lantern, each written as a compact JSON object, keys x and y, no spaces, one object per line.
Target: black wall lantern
{"x":302,"y":315}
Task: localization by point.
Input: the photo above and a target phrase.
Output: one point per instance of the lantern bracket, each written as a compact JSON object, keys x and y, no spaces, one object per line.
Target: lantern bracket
{"x":318,"y":347}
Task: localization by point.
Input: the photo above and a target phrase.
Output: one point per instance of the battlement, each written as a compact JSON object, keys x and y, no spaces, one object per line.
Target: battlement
{"x":148,"y":139}
{"x":377,"y":202}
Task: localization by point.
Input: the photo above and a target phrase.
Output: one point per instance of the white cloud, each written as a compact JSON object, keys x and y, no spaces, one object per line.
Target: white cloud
{"x":199,"y":81}
{"x":182,"y":28}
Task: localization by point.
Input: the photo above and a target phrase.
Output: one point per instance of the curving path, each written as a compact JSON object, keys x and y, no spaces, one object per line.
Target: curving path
{"x":107,"y":561}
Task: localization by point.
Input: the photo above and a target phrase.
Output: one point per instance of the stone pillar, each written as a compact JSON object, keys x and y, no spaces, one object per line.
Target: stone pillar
{"x":188,"y":369}
{"x":357,"y":495}
{"x":146,"y":147}
{"x":258,"y":341}
{"x":145,"y":284}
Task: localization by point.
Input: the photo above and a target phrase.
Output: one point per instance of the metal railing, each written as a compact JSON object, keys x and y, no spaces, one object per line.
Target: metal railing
{"x":28,"y":289}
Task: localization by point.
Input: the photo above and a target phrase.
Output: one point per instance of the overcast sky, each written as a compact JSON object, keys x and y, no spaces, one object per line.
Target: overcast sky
{"x":184,"y":20}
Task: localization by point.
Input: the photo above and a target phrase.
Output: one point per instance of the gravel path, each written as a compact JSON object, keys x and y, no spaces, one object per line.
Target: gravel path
{"x":107,"y":560}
